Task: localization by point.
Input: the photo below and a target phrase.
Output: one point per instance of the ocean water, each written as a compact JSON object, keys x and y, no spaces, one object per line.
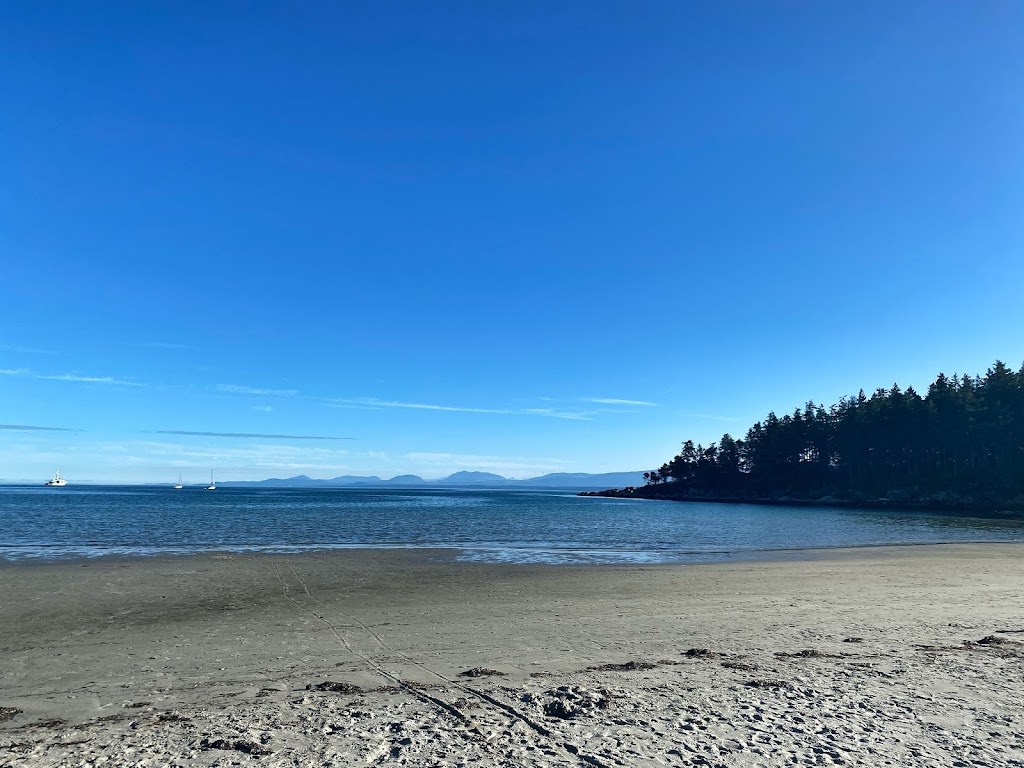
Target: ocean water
{"x":488,"y":526}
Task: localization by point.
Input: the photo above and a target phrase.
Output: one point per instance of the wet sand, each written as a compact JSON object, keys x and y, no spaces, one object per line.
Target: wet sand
{"x":887,"y":656}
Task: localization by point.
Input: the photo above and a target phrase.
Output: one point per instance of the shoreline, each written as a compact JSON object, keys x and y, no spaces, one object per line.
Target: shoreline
{"x":451,"y":555}
{"x":957,"y":507}
{"x":857,"y":654}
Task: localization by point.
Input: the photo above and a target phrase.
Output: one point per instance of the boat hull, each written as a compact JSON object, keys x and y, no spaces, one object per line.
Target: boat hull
{"x":56,"y":480}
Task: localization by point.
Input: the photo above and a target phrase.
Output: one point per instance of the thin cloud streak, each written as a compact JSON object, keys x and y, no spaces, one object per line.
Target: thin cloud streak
{"x":70,"y":377}
{"x":554,"y":414}
{"x":249,"y":435}
{"x":158,"y":345}
{"x":374,"y":404}
{"x":241,"y":389}
{"x":256,"y":461}
{"x":617,"y":401}
{"x":91,"y":380}
{"x":29,"y":350}
{"x":31,"y":428}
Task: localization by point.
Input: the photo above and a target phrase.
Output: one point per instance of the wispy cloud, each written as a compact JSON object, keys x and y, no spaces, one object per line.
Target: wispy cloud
{"x":254,"y":461}
{"x":355,"y":406}
{"x":617,"y":401}
{"x":370,"y":402}
{"x":158,"y":345}
{"x":30,"y":428}
{"x":74,"y":377}
{"x":263,"y":408}
{"x":554,"y":413}
{"x":92,"y":380}
{"x":29,"y":350}
{"x":241,"y":389}
{"x":373,"y":403}
{"x":247,"y":435}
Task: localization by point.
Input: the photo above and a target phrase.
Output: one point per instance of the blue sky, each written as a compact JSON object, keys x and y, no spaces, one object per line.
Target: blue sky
{"x":513,"y":237}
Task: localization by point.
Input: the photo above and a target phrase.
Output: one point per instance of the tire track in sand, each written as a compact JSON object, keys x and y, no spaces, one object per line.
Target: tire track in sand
{"x":421,"y":695}
{"x":571,"y":750}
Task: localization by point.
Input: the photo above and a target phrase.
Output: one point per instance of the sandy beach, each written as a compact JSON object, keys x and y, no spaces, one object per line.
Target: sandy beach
{"x":887,"y":656}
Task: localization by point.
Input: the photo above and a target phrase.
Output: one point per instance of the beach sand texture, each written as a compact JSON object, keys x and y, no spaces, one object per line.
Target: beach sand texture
{"x":888,"y":656}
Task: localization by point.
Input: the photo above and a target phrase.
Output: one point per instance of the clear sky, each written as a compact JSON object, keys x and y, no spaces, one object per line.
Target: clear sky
{"x":515,"y":237}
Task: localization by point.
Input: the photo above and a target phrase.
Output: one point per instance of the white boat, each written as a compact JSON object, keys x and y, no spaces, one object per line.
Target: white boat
{"x":57,"y":479}
{"x":212,"y":486}
{"x":179,"y":486}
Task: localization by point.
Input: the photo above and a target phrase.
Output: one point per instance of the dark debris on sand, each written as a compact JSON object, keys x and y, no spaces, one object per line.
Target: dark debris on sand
{"x":629,"y":666}
{"x":110,"y":719}
{"x":172,"y":717}
{"x":701,"y":653}
{"x":1000,"y":646}
{"x":239,"y":745}
{"x":9,"y":713}
{"x":809,"y":653}
{"x":559,"y":709}
{"x":767,"y":683}
{"x":481,"y":672}
{"x":336,"y":687}
{"x":569,"y":701}
{"x":57,"y":723}
{"x":996,"y":640}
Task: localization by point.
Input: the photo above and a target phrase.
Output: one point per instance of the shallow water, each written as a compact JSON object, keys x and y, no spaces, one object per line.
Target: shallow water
{"x":485,"y":526}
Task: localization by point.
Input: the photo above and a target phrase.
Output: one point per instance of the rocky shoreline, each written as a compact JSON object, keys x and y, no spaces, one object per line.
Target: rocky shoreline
{"x":895,"y":501}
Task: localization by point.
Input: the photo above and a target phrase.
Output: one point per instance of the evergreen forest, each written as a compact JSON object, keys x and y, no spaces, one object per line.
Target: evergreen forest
{"x":961,"y":443}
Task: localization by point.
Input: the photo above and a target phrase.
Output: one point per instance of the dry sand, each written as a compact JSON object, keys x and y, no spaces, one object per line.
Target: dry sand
{"x":856,"y":657}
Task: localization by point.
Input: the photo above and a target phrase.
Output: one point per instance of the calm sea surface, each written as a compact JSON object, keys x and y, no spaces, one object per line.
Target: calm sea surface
{"x":492,"y":526}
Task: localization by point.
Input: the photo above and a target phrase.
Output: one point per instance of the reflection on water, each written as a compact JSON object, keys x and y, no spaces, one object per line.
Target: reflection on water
{"x":486,"y":526}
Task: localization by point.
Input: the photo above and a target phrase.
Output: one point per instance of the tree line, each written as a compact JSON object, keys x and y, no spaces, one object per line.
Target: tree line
{"x":963,"y":440}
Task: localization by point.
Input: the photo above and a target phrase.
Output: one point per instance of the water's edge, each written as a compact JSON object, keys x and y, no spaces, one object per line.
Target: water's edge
{"x":476,"y":526}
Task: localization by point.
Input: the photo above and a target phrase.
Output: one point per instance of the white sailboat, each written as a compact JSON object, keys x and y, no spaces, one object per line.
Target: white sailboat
{"x":212,"y":486}
{"x":179,"y":486}
{"x":57,"y":480}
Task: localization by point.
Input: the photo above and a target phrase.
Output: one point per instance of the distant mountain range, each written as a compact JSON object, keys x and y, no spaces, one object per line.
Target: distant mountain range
{"x":573,"y":480}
